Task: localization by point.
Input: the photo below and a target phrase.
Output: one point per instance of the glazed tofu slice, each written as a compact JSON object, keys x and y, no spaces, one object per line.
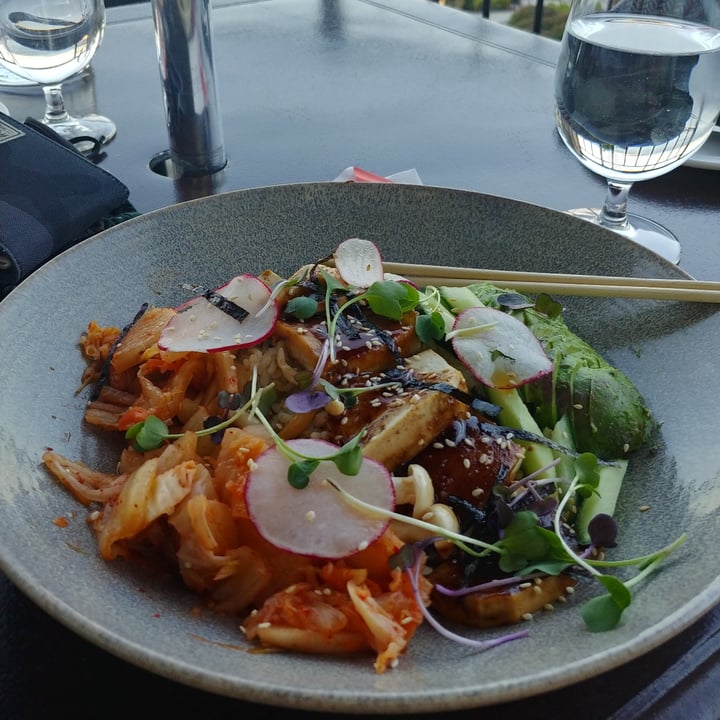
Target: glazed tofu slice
{"x":361,"y":347}
{"x":399,"y":421}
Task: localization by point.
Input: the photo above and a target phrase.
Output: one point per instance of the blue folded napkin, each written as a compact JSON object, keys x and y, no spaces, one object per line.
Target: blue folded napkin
{"x":51,"y":197}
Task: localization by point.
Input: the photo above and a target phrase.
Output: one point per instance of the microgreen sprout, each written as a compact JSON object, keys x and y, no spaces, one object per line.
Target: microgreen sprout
{"x":471,"y":330}
{"x":409,"y":559}
{"x":526,"y":548}
{"x":150,"y":433}
{"x":347,"y":459}
{"x":386,"y":298}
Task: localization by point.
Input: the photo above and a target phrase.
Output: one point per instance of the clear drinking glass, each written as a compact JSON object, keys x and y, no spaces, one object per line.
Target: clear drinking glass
{"x":48,"y":41}
{"x":637,"y":92}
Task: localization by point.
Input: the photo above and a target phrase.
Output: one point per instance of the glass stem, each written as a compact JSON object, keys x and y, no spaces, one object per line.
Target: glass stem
{"x":614,"y":211}
{"x":54,"y":105}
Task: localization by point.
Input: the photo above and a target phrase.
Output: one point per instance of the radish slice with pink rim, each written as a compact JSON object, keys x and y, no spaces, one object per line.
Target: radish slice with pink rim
{"x":200,"y":326}
{"x":497,"y":348}
{"x":359,"y":262}
{"x":316,"y":520}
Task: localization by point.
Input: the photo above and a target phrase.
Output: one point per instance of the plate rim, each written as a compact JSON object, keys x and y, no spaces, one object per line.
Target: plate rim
{"x":432,"y":700}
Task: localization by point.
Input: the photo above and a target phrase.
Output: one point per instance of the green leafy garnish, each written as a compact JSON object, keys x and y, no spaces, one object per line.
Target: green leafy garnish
{"x":386,"y":298}
{"x":302,"y":307}
{"x":430,"y":327}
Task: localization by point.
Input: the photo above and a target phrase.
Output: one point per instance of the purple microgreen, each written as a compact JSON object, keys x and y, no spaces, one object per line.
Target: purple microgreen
{"x":314,"y":398}
{"x":307,"y":400}
{"x":413,"y":573}
{"x":503,"y":513}
{"x":311,"y":398}
{"x":603,"y":531}
{"x":488,"y":586}
{"x":513,"y":301}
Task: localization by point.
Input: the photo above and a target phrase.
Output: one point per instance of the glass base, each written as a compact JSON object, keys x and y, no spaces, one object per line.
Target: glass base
{"x":641,"y":230}
{"x":97,"y":128}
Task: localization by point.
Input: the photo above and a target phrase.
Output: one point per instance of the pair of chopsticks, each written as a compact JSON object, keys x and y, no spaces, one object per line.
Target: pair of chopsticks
{"x":562,"y":284}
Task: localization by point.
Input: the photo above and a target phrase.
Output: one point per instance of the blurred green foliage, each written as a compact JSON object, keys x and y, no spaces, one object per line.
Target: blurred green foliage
{"x":553,"y":17}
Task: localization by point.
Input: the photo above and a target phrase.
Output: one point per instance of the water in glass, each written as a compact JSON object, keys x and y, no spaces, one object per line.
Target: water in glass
{"x":637,"y":93}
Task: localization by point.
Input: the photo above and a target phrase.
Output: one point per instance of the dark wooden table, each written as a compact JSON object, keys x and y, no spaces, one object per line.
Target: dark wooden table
{"x":307,"y":88}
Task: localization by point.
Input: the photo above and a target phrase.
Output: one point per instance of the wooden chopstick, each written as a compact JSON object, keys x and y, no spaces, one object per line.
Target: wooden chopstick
{"x":563,"y":283}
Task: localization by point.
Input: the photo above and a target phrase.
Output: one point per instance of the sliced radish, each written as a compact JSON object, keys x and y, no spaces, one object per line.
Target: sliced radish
{"x":316,"y":520}
{"x":201,"y":326}
{"x":358,"y":262}
{"x":497,"y":348}
{"x":400,"y":279}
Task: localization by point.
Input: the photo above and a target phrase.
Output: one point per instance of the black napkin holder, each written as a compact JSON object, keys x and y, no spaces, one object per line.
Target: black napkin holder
{"x":50,"y":197}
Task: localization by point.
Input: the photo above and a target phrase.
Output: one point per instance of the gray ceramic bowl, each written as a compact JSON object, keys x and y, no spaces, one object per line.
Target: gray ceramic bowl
{"x":668,"y":349}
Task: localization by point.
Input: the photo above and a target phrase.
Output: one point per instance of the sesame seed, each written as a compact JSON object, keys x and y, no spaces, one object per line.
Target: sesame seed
{"x":438,"y":445}
{"x":264,"y":625}
{"x":470,"y":442}
{"x":406,"y":620}
{"x":477,"y":492}
{"x":362,"y":545}
{"x":644,"y":508}
{"x":527,"y":616}
{"x":537,"y":589}
{"x":466,"y":463}
{"x":327,"y":591}
{"x":569,"y":589}
{"x":449,"y":443}
{"x":525,"y":585}
{"x":549,"y":607}
{"x":310,"y":516}
{"x":578,"y":406}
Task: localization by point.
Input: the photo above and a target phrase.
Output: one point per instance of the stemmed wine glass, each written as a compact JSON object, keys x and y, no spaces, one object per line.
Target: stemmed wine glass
{"x":48,"y":41}
{"x":637,"y":92}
